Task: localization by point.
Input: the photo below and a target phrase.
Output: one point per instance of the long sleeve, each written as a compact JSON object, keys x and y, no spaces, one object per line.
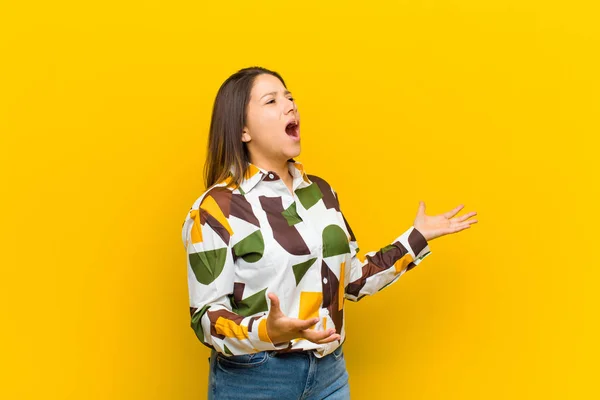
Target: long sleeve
{"x":381,"y":268}
{"x":206,"y":235}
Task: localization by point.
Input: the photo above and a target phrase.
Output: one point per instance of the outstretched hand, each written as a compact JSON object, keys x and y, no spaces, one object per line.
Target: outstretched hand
{"x":283,"y":329}
{"x":433,"y":226}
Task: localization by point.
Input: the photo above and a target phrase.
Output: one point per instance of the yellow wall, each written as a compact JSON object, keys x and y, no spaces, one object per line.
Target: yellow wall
{"x":104,"y":113}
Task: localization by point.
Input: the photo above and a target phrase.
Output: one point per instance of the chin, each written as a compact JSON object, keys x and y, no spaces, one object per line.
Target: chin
{"x":292,"y":154}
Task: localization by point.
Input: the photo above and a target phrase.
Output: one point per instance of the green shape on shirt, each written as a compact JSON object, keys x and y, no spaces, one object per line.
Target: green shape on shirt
{"x":335,"y":241}
{"x":227,"y":351}
{"x":251,"y":304}
{"x":291,"y":215}
{"x":250,"y":248}
{"x":386,"y":248}
{"x":300,"y":269}
{"x":196,"y":323}
{"x":310,"y":195}
{"x":207,"y":265}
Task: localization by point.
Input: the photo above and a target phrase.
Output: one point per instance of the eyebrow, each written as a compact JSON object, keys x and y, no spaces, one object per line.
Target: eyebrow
{"x":266,"y":94}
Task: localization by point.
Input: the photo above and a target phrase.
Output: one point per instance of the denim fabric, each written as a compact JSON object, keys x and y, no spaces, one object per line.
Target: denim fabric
{"x":278,"y":376}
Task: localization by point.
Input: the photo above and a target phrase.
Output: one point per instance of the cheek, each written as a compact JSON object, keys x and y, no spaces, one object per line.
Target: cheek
{"x":267,"y":126}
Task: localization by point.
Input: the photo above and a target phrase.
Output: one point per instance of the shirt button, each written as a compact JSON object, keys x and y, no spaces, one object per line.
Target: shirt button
{"x":325,"y":280}
{"x":271,"y":176}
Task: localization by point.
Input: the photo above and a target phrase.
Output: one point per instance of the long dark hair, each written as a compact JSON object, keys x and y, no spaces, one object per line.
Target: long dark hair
{"x":225,"y":146}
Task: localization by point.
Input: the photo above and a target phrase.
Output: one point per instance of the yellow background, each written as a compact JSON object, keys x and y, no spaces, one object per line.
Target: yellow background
{"x":104,"y":113}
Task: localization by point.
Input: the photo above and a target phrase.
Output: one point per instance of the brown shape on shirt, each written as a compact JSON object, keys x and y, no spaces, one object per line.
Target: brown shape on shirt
{"x":238,"y":291}
{"x":376,"y":263}
{"x":287,"y":236}
{"x":241,"y":208}
{"x":331,"y":296}
{"x":222,"y":196}
{"x":205,"y":217}
{"x":328,"y":197}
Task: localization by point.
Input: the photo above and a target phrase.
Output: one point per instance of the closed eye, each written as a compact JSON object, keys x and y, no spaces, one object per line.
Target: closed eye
{"x":272,"y":100}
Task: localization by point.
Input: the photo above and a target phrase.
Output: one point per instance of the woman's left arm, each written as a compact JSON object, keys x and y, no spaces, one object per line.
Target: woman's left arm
{"x":381,"y":268}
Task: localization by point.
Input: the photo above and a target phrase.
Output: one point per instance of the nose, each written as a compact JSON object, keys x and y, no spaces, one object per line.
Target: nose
{"x":290,"y":106}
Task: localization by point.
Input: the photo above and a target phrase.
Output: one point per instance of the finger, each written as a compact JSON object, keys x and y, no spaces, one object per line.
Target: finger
{"x":303,"y":324}
{"x":464,"y":217}
{"x":469,"y":223}
{"x":274,"y":304}
{"x":320,"y":336}
{"x":452,"y":213}
{"x":464,"y":226}
{"x":332,"y":338}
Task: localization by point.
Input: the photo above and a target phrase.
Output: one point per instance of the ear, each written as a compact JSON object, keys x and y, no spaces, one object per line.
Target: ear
{"x":245,"y":135}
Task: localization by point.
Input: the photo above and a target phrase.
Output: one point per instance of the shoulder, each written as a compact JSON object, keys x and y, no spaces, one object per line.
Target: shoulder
{"x":322,"y":184}
{"x":212,"y":207}
{"x":330,"y":197}
{"x":316,"y":178}
{"x":214,"y":199}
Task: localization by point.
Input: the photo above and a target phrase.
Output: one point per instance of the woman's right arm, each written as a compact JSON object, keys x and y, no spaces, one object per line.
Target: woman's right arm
{"x":206,"y":235}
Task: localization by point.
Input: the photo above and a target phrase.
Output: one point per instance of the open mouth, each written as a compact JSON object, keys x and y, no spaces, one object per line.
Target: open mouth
{"x":293,"y":130}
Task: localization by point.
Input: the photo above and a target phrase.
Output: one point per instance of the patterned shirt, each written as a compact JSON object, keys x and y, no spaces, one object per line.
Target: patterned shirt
{"x":246,"y":241}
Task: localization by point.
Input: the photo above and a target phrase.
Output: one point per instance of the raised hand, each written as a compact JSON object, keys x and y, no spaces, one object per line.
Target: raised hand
{"x":283,"y":329}
{"x":433,"y":226}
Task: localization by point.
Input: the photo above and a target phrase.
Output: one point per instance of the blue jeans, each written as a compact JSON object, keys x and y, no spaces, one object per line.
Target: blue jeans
{"x":278,"y":376}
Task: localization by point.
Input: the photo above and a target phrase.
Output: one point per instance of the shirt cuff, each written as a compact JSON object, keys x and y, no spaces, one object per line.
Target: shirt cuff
{"x":260,"y":339}
{"x":415,"y":243}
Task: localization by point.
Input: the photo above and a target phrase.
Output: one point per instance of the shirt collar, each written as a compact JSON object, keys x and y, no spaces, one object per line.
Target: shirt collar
{"x":255,"y":174}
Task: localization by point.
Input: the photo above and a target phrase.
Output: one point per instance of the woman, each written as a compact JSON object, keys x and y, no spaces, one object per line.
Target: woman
{"x":271,"y":257}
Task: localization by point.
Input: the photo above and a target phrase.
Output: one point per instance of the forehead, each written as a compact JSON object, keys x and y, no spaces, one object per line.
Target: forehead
{"x":266,"y":83}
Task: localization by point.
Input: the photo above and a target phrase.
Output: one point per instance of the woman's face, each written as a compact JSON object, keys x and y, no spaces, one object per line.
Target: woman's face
{"x":272,"y":131}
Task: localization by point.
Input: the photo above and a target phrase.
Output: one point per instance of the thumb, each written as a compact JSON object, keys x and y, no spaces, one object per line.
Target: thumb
{"x":421,"y":210}
{"x":274,"y":304}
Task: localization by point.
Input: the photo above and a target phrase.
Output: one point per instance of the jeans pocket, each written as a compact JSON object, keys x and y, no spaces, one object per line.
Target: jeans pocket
{"x":338,"y":352}
{"x":243,"y":360}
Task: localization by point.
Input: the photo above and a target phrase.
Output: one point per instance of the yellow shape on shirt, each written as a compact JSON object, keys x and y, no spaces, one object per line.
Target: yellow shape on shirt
{"x":402,"y":263}
{"x":251,"y":171}
{"x":210,"y":204}
{"x":196,"y":227}
{"x":310,"y":303}
{"x":229,"y":328}
{"x":262,"y":331}
{"x":341,"y":289}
